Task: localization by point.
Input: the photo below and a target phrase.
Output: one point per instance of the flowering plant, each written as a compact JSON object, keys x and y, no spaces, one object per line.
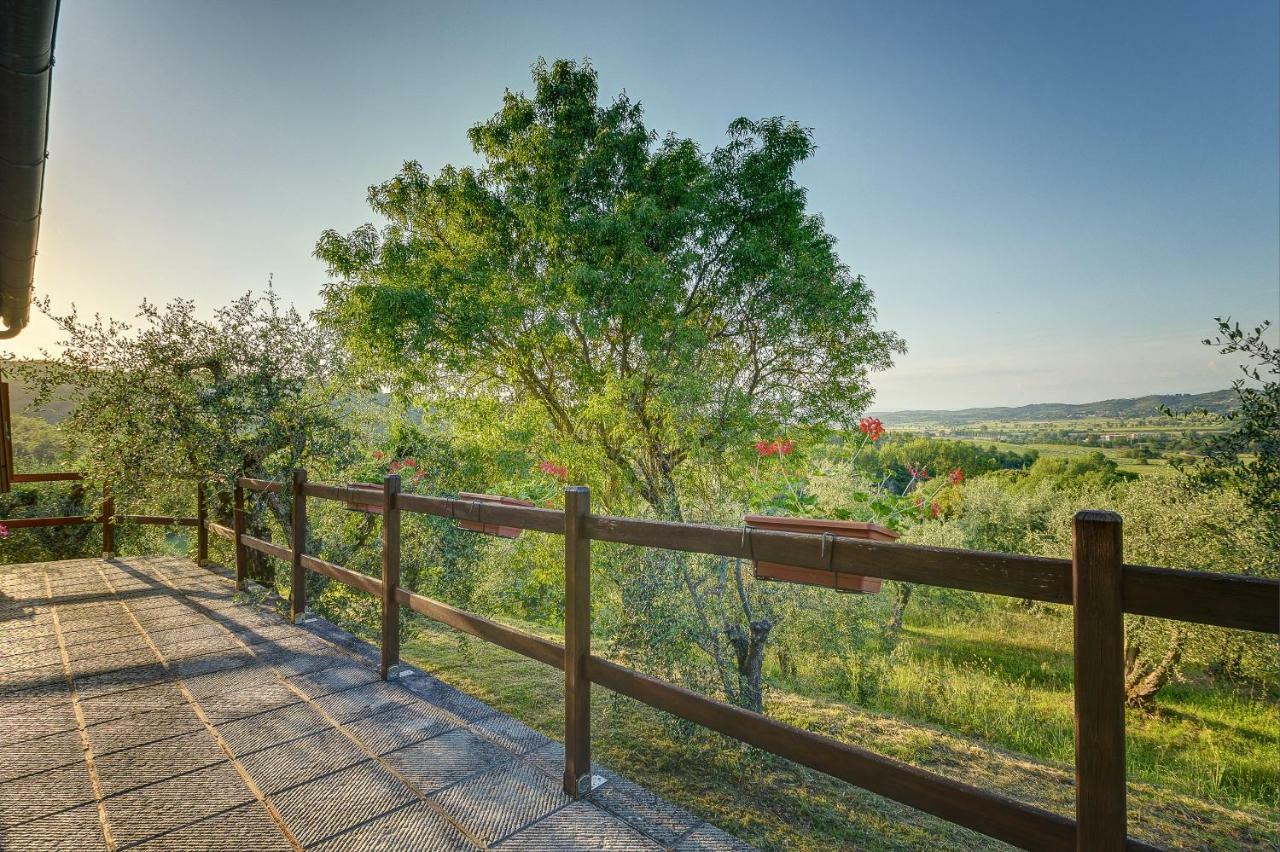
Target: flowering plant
{"x":411,"y":472}
{"x":785,"y":492}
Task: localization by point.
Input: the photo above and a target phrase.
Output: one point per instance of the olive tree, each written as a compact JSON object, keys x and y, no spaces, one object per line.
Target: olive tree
{"x":251,"y":390}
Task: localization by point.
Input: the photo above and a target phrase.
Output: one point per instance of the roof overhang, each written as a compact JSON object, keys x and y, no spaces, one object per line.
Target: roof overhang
{"x":27,"y":30}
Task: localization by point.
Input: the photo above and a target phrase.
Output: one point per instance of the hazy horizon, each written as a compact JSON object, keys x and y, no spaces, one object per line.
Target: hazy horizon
{"x":1050,"y":202}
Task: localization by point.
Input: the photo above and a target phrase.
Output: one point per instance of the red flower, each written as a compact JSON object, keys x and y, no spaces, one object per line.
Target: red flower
{"x":394,"y":467}
{"x":4,"y":531}
{"x":776,"y":447}
{"x":377,"y":455}
{"x":410,"y":462}
{"x":934,"y":509}
{"x":921,"y":472}
{"x":550,"y":468}
{"x":871,"y":427}
{"x":956,"y":476}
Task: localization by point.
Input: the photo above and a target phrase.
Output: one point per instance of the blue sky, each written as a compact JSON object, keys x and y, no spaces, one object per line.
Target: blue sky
{"x":1051,"y":200}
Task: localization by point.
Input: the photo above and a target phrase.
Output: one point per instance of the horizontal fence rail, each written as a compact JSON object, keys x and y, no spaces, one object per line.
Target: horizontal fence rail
{"x":266,"y":547}
{"x":221,"y":531}
{"x":354,"y":579}
{"x":1094,"y":582}
{"x":54,"y":476}
{"x":526,"y":644}
{"x":260,"y":485}
{"x":109,"y":520}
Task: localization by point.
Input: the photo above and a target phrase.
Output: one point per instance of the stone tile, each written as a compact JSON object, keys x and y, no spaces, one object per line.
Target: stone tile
{"x":446,"y":759}
{"x":302,"y":760}
{"x":43,"y":795}
{"x":501,"y":801}
{"x":414,"y":828}
{"x":146,"y":813}
{"x":255,"y":701}
{"x":40,"y":722}
{"x":636,"y":806}
{"x":33,"y":757}
{"x":322,"y":808}
{"x":510,"y":733}
{"x":77,"y":829}
{"x":170,"y":786}
{"x":446,"y":697}
{"x":129,"y":702}
{"x":139,"y":729}
{"x":265,"y":730}
{"x":549,"y":760}
{"x":362,"y":701}
{"x":245,"y":828}
{"x":335,"y":679}
{"x":146,"y":764}
{"x":580,"y":826}
{"x":400,"y":726}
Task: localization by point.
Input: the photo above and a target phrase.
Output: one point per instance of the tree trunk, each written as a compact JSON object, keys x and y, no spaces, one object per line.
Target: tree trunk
{"x":900,"y":601}
{"x":749,"y":652}
{"x":745,"y":687}
{"x":1143,"y":679}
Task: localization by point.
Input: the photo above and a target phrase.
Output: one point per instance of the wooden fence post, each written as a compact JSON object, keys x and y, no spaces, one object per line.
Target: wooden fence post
{"x":298,"y":583}
{"x":390,"y":573}
{"x":577,"y":640}
{"x":202,"y":526}
{"x":108,"y":523}
{"x":1097,"y":558}
{"x":238,"y":525}
{"x":6,"y":440}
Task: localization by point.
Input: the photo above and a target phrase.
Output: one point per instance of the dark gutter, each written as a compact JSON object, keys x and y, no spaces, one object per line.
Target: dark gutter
{"x":27,"y":30}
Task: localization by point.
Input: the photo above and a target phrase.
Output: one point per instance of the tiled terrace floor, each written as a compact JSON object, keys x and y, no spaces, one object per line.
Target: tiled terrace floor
{"x":143,"y":706}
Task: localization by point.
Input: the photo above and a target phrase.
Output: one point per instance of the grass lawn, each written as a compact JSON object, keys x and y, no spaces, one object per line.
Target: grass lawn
{"x":972,"y":704}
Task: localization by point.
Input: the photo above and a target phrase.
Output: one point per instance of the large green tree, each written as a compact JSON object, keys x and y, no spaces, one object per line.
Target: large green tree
{"x":656,"y":301}
{"x":653,"y":303}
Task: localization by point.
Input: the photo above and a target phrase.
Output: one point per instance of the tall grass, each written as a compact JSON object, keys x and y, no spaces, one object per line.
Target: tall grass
{"x":1005,"y":678}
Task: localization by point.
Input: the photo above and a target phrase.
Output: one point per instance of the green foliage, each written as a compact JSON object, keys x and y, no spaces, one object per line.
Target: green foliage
{"x":993,"y":516}
{"x":889,"y":459}
{"x":1248,"y":455}
{"x":654,"y":302}
{"x":632,"y":306}
{"x":37,"y":444}
{"x":42,"y":544}
{"x":1092,"y":471}
{"x":252,"y":390}
{"x":1164,"y":526}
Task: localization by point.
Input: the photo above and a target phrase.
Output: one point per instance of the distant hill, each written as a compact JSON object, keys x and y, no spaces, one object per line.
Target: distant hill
{"x":1219,"y":402}
{"x":21,"y":396}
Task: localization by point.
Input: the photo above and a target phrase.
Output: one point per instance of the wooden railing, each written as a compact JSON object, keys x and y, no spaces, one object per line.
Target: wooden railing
{"x":108,"y":519}
{"x":1095,"y":581}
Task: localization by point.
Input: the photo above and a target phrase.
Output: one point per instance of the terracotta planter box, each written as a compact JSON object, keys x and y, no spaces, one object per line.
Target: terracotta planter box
{"x":854,"y":583}
{"x":371,"y":504}
{"x":492,"y":529}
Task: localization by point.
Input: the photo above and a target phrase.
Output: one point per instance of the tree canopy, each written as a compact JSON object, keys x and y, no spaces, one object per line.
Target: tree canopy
{"x":651,"y":300}
{"x":251,"y":390}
